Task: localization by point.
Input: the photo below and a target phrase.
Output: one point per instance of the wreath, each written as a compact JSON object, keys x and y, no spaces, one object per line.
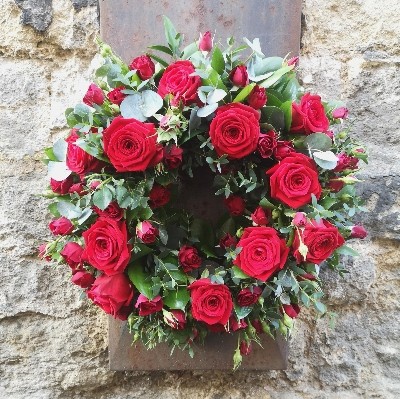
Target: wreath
{"x":282,"y":166}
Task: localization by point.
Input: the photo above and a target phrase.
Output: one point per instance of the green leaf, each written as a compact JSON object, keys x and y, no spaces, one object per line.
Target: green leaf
{"x":58,"y":170}
{"x":286,"y":107}
{"x":60,"y":150}
{"x":177,"y":299}
{"x":346,"y":250}
{"x":203,"y":231}
{"x":143,"y":251}
{"x":274,"y":116}
{"x":320,"y":307}
{"x":242,"y":95}
{"x":82,"y":110}
{"x":242,"y":312}
{"x":159,"y":60}
{"x":327,"y":202}
{"x":318,"y":141}
{"x":189,"y":50}
{"x":141,"y":280}
{"x":87,"y":212}
{"x":123,"y":197}
{"x":265,"y":65}
{"x":291,"y":90}
{"x":53,"y":209}
{"x":265,"y":203}
{"x":217,"y":61}
{"x":69,"y":210}
{"x":102,"y":198}
{"x":325,"y":159}
{"x":276,"y":76}
{"x":163,"y":49}
{"x":171,"y":34}
{"x":238,"y":273}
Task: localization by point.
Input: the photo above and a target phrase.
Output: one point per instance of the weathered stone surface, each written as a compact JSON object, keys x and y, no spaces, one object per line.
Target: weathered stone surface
{"x":78,"y":4}
{"x":36,"y":13}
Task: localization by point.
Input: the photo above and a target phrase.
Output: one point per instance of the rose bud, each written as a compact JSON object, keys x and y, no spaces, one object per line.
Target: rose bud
{"x":346,"y":162}
{"x":239,"y":76}
{"x":94,"y":184}
{"x":235,"y":205}
{"x":330,"y":134}
{"x":335,"y":185}
{"x":144,"y":66}
{"x":358,"y":232}
{"x":61,"y":226}
{"x":113,"y":294}
{"x":159,"y":196}
{"x":42,"y":252}
{"x":83,"y":279}
{"x":340,"y":113}
{"x":266,"y":144}
{"x":300,"y":219}
{"x":256,"y":323}
{"x":306,"y":276}
{"x":77,"y":188}
{"x":61,"y":187}
{"x":257,"y":98}
{"x":146,"y":232}
{"x":217,"y":328}
{"x":173,"y":156}
{"x":293,"y":61}
{"x":116,"y":96}
{"x":259,"y":217}
{"x":112,"y":211}
{"x":292,"y":310}
{"x":189,"y":258}
{"x":235,"y":325}
{"x":249,"y":296}
{"x":94,"y":95}
{"x":227,"y":241}
{"x":206,"y":41}
{"x":283,"y":149}
{"x":176,"y":319}
{"x":245,"y":348}
{"x":148,"y":306}
{"x":72,"y":254}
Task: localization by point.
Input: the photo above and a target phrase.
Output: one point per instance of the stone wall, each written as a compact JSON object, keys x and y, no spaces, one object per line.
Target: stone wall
{"x":54,"y":344}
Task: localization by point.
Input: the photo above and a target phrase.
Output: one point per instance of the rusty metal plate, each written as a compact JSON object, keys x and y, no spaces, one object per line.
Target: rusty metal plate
{"x":129,"y":26}
{"x":216,"y":354}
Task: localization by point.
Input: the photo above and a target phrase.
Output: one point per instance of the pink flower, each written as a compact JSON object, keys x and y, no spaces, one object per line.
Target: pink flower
{"x":206,"y":41}
{"x":146,"y":232}
{"x":340,"y":113}
{"x":358,"y":231}
{"x":300,"y":219}
{"x":239,"y":76}
{"x":94,"y":95}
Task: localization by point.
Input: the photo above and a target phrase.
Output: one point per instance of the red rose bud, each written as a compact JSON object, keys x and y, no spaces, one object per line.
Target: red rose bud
{"x":239,"y":76}
{"x":293,"y":61}
{"x":148,"y":306}
{"x":245,"y":348}
{"x":189,"y":258}
{"x":94,"y":184}
{"x":113,"y":211}
{"x":358,"y":232}
{"x":144,"y":66}
{"x":42,"y":252}
{"x":306,"y":276}
{"x":249,"y":296}
{"x":259,"y":217}
{"x":72,"y":254}
{"x":335,"y":185}
{"x":257,"y":98}
{"x":256,"y":323}
{"x":159,"y":196}
{"x":300,"y":219}
{"x":346,"y":162}
{"x":330,"y":134}
{"x":113,"y":294}
{"x":206,"y":41}
{"x":77,"y":188}
{"x":116,"y":96}
{"x":173,"y":156}
{"x":227,"y":241}
{"x":340,"y":113}
{"x":83,"y":279}
{"x":61,"y":187}
{"x":292,"y":310}
{"x":283,"y":149}
{"x":266,"y":144}
{"x":235,"y":325}
{"x":235,"y":205}
{"x":146,"y":232}
{"x":61,"y":226}
{"x":176,"y":319}
{"x":94,"y":95}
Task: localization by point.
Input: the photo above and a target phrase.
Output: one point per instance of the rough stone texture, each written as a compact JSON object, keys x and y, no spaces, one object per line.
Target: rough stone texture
{"x":54,"y":345}
{"x":36,"y":13}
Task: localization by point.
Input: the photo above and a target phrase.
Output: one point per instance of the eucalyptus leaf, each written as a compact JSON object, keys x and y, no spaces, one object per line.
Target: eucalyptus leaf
{"x":215,"y":95}
{"x":151,"y":103}
{"x":325,"y":159}
{"x":69,"y":210}
{"x":132,"y":107}
{"x":242,"y":312}
{"x":207,"y":110}
{"x":58,"y":170}
{"x":60,"y":149}
{"x":238,"y":273}
{"x":318,"y":141}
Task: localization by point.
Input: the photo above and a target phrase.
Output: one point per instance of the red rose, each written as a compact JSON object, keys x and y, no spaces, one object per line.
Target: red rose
{"x":309,"y":116}
{"x":235,"y":205}
{"x":77,"y":188}
{"x":257,"y":98}
{"x":61,"y":226}
{"x":148,"y":306}
{"x":235,"y":325}
{"x":340,"y":113}
{"x":146,"y":232}
{"x":94,"y":95}
{"x":159,"y":196}
{"x":293,"y":61}
{"x":173,"y":156}
{"x":283,"y":149}
{"x":346,"y":162}
{"x":235,"y":130}
{"x":245,"y":348}
{"x":61,"y":187}
{"x":106,"y":246}
{"x":256,"y":323}
{"x":211,"y":303}
{"x":358,"y":232}
{"x":131,"y":145}
{"x":335,"y":185}
{"x":189,"y":258}
{"x":78,"y":160}
{"x":259,"y":217}
{"x":263,"y":252}
{"x":113,"y":211}
{"x":176,"y":80}
{"x":294,"y":179}
{"x":239,"y":76}
{"x":321,"y":239}
{"x":144,"y":66}
{"x":72,"y":254}
{"x":206,"y":41}
{"x":299,"y":219}
{"x":83,"y":279}
{"x":116,"y":96}
{"x":227,"y":241}
{"x":113,"y":294}
{"x":292,"y":310}
{"x":266,"y":144}
{"x":176,"y":319}
{"x":249,"y":296}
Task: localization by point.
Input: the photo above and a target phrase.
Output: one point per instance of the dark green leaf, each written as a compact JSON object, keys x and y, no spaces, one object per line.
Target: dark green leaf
{"x":286,"y":107}
{"x":177,"y":299}
{"x":346,"y":250}
{"x":318,"y":141}
{"x":217,"y":60}
{"x":141,"y":280}
{"x":203,"y":231}
{"x":123,"y":197}
{"x":242,"y":95}
{"x":102,"y":198}
{"x":163,"y":49}
{"x":274,"y":116}
{"x":242,"y":312}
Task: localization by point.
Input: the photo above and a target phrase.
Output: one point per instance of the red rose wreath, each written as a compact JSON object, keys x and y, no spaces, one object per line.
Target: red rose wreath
{"x":283,"y":167}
